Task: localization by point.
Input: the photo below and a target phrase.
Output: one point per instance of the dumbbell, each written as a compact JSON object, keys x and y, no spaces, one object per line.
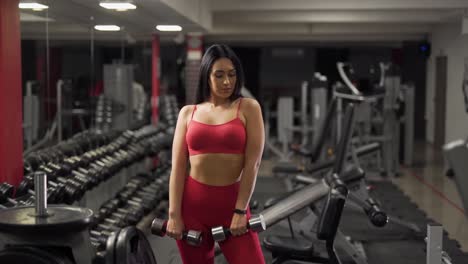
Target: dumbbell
{"x":72,"y":165}
{"x":99,"y":238}
{"x":127,"y":157}
{"x":69,"y":168}
{"x":255,"y":224}
{"x":115,"y":221}
{"x":130,"y":217}
{"x":96,"y":168}
{"x":145,"y":203}
{"x":84,"y":181}
{"x":153,"y":188}
{"x":113,"y":163}
{"x":127,"y":193}
{"x":151,"y":192}
{"x":25,"y":200}
{"x":73,"y":190}
{"x":55,"y":192}
{"x":110,"y":228}
{"x":32,"y":162}
{"x":140,"y":180}
{"x":119,"y":216}
{"x":114,"y":206}
{"x":6,"y":192}
{"x":192,"y":237}
{"x":28,"y":183}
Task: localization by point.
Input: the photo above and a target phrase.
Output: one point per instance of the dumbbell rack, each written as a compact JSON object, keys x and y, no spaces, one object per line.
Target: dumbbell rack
{"x":54,"y":227}
{"x":95,"y":169}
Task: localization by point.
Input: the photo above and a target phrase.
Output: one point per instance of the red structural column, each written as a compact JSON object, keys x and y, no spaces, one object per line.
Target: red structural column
{"x":192,"y":65}
{"x":11,"y":132}
{"x":155,"y":76}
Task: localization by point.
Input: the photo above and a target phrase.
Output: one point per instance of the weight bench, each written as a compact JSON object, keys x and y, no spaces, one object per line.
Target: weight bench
{"x":292,"y":249}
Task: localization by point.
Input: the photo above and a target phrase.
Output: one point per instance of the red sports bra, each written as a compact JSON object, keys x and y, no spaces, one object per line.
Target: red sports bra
{"x":229,"y":138}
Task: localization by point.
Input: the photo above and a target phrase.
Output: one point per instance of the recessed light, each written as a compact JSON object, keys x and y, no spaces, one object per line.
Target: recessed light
{"x":33,"y":6}
{"x":107,"y":27}
{"x":119,"y":6}
{"x":169,"y":28}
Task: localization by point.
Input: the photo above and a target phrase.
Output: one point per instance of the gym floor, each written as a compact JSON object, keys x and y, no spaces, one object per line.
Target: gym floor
{"x":434,"y":193}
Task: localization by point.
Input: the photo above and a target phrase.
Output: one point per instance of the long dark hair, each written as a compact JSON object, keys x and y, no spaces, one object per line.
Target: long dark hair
{"x":212,"y":54}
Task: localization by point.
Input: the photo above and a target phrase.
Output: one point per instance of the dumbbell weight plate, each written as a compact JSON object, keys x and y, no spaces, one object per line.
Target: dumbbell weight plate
{"x":132,"y":247}
{"x":31,"y":255}
{"x":23,"y":219}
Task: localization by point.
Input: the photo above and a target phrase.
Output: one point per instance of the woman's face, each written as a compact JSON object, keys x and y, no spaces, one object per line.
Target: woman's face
{"x":223,"y":78}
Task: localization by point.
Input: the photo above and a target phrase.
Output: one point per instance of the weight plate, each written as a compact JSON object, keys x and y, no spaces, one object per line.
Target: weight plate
{"x":132,"y":247}
{"x":31,"y":255}
{"x":111,"y":247}
{"x":21,"y":219}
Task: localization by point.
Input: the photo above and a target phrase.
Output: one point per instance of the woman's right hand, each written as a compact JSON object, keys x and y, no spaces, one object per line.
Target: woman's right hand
{"x":175,"y":227}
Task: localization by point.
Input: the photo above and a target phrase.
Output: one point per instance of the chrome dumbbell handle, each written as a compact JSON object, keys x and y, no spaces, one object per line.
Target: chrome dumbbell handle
{"x":255,"y":224}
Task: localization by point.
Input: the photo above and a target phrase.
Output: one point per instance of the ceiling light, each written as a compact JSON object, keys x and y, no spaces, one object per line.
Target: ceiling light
{"x":169,"y":28}
{"x":33,"y":6}
{"x":107,"y":27}
{"x":119,"y":6}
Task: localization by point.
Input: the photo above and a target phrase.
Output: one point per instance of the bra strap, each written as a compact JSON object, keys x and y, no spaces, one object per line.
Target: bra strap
{"x":193,"y":112}
{"x":238,"y":107}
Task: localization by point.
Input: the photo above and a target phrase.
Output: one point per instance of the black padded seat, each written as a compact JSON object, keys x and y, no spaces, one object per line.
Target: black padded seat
{"x":289,"y":246}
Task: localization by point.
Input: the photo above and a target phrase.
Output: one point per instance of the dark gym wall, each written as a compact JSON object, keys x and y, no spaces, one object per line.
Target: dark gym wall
{"x":282,"y":69}
{"x":413,"y":69}
{"x":250,"y":59}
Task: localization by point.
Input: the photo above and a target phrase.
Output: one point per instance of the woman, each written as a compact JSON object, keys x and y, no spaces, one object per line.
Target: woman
{"x":222,"y":136}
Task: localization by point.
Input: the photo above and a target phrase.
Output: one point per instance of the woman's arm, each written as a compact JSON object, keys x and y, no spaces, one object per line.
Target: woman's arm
{"x":179,"y":164}
{"x":253,"y":151}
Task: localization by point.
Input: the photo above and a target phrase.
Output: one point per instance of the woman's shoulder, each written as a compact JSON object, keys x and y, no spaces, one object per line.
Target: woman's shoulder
{"x":250,"y":103}
{"x":186,"y":110}
{"x":250,"y":108}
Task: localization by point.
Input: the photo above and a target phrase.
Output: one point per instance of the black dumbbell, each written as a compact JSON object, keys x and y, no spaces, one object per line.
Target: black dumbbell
{"x":111,"y":209}
{"x":147,"y":202}
{"x":101,"y":227}
{"x":119,"y":218}
{"x":52,"y":194}
{"x":24,"y":200}
{"x":64,"y":170}
{"x":192,"y":237}
{"x":99,"y":238}
{"x":55,"y":192}
{"x":95,"y":175}
{"x":255,"y":224}
{"x":6,"y":192}
{"x":119,"y":222}
{"x":128,"y":194}
{"x":130,"y":217}
{"x":84,"y":181}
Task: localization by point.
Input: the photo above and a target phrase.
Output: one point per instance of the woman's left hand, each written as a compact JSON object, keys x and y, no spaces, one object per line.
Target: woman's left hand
{"x":238,"y":224}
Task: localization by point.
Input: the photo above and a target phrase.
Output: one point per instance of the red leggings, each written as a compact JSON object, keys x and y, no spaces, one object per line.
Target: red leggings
{"x":206,"y":206}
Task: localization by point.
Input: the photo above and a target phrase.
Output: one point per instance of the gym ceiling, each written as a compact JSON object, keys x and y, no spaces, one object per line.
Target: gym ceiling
{"x":247,"y":20}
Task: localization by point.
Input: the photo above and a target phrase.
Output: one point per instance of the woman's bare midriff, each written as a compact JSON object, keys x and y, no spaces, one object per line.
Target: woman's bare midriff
{"x":216,"y":169}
